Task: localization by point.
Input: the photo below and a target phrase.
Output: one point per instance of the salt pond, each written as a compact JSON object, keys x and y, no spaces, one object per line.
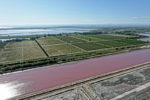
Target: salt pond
{"x":21,"y":83}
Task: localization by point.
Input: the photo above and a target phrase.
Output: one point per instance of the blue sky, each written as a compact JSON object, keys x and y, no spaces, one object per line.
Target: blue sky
{"x":74,"y":12}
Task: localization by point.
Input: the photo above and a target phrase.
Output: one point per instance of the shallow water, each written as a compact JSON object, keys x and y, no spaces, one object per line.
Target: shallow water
{"x":4,"y":40}
{"x":145,"y":39}
{"x":22,"y":32}
{"x":145,"y":34}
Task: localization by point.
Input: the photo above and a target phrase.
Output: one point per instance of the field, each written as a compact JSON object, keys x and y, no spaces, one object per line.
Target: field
{"x":121,"y":35}
{"x":113,"y":43}
{"x":90,"y":46}
{"x":21,"y":44}
{"x":87,"y":38}
{"x":61,"y":49}
{"x":19,"y":51}
{"x":11,"y":55}
{"x":109,"y":37}
{"x":70,"y":39}
{"x":56,"y":46}
{"x":130,"y":42}
{"x":65,"y":44}
{"x":49,"y":41}
{"x":100,"y":41}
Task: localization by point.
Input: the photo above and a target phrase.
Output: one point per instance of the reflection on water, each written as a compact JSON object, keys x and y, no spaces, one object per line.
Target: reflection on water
{"x":10,"y":39}
{"x":145,"y":34}
{"x":145,"y":39}
{"x":22,"y":32}
{"x":8,"y":90}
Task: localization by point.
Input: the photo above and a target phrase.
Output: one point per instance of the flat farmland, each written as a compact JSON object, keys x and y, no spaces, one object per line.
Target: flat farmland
{"x":131,"y":41}
{"x":112,"y":43}
{"x":70,"y":39}
{"x":83,"y":42}
{"x":105,"y":40}
{"x":109,"y":37}
{"x":87,"y":37}
{"x":59,"y":45}
{"x":122,"y":35}
{"x":32,"y":53}
{"x":14,"y":54}
{"x":61,"y":49}
{"x":49,"y":40}
{"x":17,"y":51}
{"x":99,"y":41}
{"x":21,"y":44}
{"x":121,"y":42}
{"x":90,"y":46}
{"x":64,"y":44}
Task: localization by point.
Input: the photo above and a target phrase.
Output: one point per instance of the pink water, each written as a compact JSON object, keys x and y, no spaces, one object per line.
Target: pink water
{"x":38,"y":79}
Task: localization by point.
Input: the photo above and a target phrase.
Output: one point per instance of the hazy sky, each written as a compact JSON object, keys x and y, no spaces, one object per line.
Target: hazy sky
{"x":74,"y":11}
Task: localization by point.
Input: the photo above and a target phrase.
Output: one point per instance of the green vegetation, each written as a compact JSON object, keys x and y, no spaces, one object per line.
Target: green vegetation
{"x":28,"y":64}
{"x":61,"y":49}
{"x":19,"y":51}
{"x":54,"y":46}
{"x":90,"y":46}
{"x":27,"y":43}
{"x":2,"y":45}
{"x":123,"y":35}
{"x":131,"y":42}
{"x":11,"y":54}
{"x":49,"y":41}
{"x":113,"y":43}
{"x":87,"y":37}
{"x":46,"y":50}
{"x":108,"y":37}
{"x":70,"y":39}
